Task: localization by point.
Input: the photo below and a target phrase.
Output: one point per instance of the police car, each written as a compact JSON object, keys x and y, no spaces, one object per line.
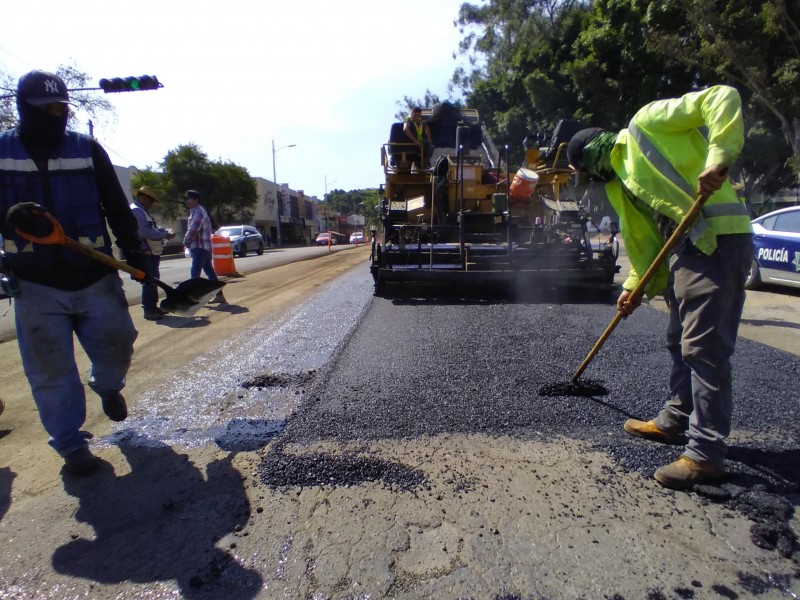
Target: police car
{"x":777,"y":240}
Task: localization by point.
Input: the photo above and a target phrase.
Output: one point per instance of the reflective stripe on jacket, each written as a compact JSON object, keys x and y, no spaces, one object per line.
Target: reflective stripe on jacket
{"x":666,"y":146}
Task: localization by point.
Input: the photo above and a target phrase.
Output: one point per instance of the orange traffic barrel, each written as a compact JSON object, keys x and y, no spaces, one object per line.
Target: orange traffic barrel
{"x":222,"y":255}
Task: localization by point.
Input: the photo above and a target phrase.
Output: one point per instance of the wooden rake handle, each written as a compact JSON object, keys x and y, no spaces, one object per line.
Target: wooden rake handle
{"x":637,"y":292}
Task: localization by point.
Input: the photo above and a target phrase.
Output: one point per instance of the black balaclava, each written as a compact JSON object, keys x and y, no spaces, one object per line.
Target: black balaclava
{"x":40,"y":131}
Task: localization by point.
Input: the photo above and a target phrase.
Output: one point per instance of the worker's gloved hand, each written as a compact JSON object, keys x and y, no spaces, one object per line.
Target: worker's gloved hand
{"x":138,"y":261}
{"x":29,"y":217}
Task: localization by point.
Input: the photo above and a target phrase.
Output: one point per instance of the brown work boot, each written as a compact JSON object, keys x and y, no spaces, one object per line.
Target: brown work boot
{"x":218,"y":299}
{"x":685,"y":472}
{"x":650,"y":431}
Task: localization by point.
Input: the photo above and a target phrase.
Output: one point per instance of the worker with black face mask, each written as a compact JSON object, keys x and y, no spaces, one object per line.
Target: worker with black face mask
{"x":46,"y":169}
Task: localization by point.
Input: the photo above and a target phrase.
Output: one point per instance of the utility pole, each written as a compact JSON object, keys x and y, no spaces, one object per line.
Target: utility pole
{"x":280,"y":190}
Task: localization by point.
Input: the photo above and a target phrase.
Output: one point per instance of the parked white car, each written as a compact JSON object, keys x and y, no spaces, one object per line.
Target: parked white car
{"x":777,"y":239}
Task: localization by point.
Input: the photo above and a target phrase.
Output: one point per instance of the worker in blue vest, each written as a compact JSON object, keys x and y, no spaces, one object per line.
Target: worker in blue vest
{"x":62,"y":293}
{"x":672,"y":151}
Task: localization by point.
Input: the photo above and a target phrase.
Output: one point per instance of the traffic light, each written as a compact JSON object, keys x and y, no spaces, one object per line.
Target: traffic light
{"x":130,"y":84}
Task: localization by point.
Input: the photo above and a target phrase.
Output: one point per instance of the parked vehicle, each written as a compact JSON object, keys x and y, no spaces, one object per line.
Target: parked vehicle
{"x":244,"y":239}
{"x":325,"y":238}
{"x":777,"y":239}
{"x":357,"y":237}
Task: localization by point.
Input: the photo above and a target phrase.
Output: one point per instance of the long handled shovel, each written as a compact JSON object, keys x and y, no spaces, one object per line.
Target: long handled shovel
{"x":637,"y":292}
{"x":185,"y":300}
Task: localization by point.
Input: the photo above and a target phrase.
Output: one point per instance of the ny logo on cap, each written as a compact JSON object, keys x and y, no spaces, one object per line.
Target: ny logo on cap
{"x":51,"y":86}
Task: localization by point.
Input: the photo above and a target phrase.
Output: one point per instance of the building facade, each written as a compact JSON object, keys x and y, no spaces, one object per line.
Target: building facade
{"x":292,"y":210}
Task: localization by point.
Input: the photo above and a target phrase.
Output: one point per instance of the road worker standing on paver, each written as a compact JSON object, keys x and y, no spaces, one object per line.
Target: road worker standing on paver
{"x":671,"y":151}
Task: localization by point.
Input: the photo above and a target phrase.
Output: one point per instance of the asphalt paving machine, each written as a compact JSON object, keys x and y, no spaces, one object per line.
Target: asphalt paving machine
{"x":458,"y":222}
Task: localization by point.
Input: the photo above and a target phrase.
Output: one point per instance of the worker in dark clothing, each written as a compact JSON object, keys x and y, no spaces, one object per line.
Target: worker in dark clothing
{"x":44,"y":167}
{"x":672,"y":151}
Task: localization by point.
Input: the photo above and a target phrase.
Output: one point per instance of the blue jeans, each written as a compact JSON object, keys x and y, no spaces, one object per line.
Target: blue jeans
{"x":46,"y":320}
{"x":706,"y":299}
{"x":201,"y":260}
{"x":150,"y":290}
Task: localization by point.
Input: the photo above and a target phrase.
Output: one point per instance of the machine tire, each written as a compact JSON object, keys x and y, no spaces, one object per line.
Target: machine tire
{"x":260,"y":249}
{"x":242,"y":251}
{"x":753,"y":281}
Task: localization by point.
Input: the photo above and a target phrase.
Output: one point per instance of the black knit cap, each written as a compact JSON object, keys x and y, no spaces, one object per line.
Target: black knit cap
{"x":191,"y":194}
{"x":578,"y":143}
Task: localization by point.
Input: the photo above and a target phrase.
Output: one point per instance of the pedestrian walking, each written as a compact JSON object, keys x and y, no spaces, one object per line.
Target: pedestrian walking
{"x":671,"y":151}
{"x":62,"y":293}
{"x":198,"y":241}
{"x":152,"y":247}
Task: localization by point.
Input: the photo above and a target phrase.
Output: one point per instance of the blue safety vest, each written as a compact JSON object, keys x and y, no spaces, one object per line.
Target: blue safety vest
{"x":67,"y":189}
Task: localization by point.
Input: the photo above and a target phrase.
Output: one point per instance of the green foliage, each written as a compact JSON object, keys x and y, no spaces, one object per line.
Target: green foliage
{"x":534,"y":62}
{"x":614,"y":70}
{"x":519,"y":51}
{"x":362,"y":202}
{"x":407,"y":103}
{"x":753,"y":45}
{"x":227,"y":190}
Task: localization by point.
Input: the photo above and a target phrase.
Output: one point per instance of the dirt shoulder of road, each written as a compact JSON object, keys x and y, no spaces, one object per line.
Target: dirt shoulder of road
{"x":162,"y":349}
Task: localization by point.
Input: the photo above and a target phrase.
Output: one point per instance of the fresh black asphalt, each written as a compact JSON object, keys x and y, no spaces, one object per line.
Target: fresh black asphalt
{"x":422,"y":367}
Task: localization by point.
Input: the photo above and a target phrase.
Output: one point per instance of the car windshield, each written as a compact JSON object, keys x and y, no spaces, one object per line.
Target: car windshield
{"x":230,"y":232}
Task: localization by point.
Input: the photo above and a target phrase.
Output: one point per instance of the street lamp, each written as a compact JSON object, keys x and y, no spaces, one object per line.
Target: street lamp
{"x":275,"y":181}
{"x":325,"y":199}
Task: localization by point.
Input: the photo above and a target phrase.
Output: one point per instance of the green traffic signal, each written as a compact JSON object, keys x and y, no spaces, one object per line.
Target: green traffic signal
{"x":130,"y":84}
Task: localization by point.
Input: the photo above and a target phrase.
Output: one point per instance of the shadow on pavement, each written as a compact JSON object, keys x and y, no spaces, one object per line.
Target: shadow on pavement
{"x":233,"y":309}
{"x":6,"y":480}
{"x":160,"y":522}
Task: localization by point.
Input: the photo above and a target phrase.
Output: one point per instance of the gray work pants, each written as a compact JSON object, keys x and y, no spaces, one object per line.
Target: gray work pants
{"x":706,"y":297}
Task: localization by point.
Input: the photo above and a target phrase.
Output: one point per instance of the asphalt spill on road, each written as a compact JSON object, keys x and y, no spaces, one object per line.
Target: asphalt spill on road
{"x":283,"y":470}
{"x":583,"y":388}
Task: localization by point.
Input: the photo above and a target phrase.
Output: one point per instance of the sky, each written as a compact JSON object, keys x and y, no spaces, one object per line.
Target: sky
{"x":324,"y":76}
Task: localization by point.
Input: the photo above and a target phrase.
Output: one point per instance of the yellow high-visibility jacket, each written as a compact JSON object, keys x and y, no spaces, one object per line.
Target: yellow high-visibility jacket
{"x":658,"y":158}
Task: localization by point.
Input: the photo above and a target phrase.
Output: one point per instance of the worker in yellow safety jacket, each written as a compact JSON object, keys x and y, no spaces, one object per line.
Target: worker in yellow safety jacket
{"x":420,"y":134}
{"x":671,"y":151}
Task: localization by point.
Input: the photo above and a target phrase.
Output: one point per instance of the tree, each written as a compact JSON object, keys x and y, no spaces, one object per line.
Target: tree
{"x":90,"y":102}
{"x":534,"y":62}
{"x":754,"y":44}
{"x":519,"y":51}
{"x":614,"y":71}
{"x":362,"y":202}
{"x":228,"y":191}
{"x":407,"y":103}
